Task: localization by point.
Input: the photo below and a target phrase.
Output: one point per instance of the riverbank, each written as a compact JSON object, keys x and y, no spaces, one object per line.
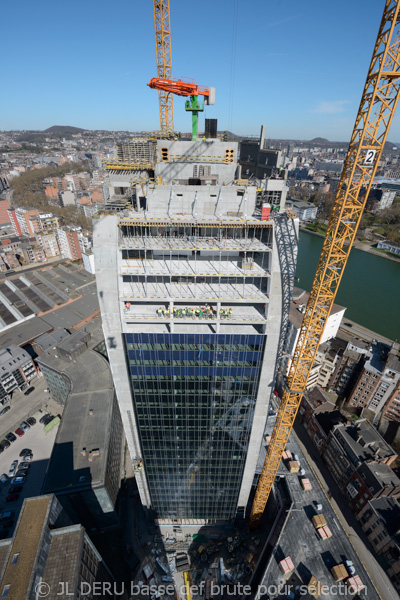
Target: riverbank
{"x":358,"y":245}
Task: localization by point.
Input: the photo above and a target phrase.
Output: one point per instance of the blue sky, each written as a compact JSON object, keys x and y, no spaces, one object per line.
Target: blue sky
{"x":297,"y":67}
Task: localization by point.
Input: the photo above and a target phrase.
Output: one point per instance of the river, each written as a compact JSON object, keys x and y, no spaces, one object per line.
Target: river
{"x":370,"y":288}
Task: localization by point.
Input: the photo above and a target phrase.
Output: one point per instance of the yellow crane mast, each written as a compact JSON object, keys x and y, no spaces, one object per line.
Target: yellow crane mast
{"x":377,"y":107}
{"x":164,"y":66}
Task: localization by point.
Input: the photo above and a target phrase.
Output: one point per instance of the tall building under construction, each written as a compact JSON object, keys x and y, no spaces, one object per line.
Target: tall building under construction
{"x":193,"y":289}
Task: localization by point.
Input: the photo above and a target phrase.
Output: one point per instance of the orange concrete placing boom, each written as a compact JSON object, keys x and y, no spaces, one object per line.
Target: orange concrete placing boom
{"x":183,"y":87}
{"x":377,"y":107}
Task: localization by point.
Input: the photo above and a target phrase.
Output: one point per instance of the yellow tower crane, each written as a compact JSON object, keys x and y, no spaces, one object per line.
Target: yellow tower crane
{"x":164,"y":66}
{"x":377,"y":107}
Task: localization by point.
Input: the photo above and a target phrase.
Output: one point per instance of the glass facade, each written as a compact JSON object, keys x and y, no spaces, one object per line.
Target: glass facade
{"x":194,"y":397}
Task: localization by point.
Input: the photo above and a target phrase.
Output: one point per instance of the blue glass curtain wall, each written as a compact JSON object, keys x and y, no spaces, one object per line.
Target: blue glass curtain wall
{"x":194,"y":398}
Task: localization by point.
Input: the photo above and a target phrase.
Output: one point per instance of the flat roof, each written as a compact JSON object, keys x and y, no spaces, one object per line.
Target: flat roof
{"x":86,"y":423}
{"x":25,"y":542}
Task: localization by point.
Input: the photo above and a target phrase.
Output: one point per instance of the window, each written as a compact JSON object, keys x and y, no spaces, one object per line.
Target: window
{"x":4,"y":593}
{"x":164,"y":155}
{"x":15,"y":558}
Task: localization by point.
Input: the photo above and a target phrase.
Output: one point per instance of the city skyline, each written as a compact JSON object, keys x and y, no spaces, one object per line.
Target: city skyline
{"x":314,"y":74}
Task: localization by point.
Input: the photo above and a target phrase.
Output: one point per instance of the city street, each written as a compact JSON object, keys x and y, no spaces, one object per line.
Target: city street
{"x":347,"y":519}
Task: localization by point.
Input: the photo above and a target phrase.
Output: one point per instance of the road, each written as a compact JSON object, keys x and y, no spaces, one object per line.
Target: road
{"x":352,"y":528}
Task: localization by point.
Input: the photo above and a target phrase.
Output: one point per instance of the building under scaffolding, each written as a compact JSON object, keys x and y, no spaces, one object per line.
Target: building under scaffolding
{"x":193,"y":284}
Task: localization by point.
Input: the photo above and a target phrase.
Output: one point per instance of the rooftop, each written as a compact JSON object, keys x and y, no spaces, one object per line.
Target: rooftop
{"x":388,"y":509}
{"x":295,"y":314}
{"x":364,"y":440}
{"x":80,"y":451}
{"x":378,"y":475}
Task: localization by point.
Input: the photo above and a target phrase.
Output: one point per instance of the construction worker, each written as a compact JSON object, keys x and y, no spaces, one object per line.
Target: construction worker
{"x":230,"y":313}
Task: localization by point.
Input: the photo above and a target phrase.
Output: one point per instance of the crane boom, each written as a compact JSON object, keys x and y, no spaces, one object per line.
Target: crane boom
{"x":375,"y":114}
{"x":164,"y":62}
{"x":179,"y":87}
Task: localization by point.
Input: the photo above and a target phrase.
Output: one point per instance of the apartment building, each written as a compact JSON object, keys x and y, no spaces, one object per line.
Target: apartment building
{"x":380,"y":520}
{"x":377,"y":380}
{"x":49,"y":243}
{"x":69,"y":243}
{"x":359,"y":460}
{"x":16,"y":371}
{"x":356,"y":353}
{"x":20,"y":219}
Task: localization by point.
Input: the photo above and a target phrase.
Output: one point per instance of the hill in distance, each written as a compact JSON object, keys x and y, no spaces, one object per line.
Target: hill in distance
{"x":63,"y":129}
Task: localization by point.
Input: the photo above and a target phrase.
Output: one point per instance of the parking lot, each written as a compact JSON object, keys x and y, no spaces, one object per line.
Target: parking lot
{"x":41,"y":444}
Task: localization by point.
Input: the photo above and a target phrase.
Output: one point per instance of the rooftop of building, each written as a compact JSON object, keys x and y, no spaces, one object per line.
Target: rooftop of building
{"x":393,"y":362}
{"x":388,"y":510}
{"x":327,"y":419}
{"x":317,"y":397}
{"x":365,"y":441}
{"x":79,"y":456}
{"x":25,"y":542}
{"x":378,"y":475}
{"x":295,"y":313}
{"x":11,"y":358}
{"x":64,"y":557}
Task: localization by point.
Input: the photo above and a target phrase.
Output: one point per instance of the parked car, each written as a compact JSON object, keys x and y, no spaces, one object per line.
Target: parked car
{"x":43,"y":419}
{"x":12,"y":497}
{"x":20,"y":432}
{"x":21,"y":473}
{"x":24,"y":425}
{"x":13,"y":468}
{"x":28,"y":457}
{"x":17,"y":480}
{"x":15,"y":489}
{"x":4,"y":533}
{"x":3,"y":479}
{"x":23,"y":466}
{"x":10,"y":437}
{"x":29,"y":391}
{"x":5,"y":444}
{"x":6,"y":515}
{"x":6,"y":409}
{"x":48,"y":419}
{"x":31,"y":421}
{"x":25,"y":451}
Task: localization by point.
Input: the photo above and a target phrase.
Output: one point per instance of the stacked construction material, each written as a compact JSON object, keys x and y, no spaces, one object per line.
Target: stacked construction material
{"x":339,"y":572}
{"x":319,"y":521}
{"x":287,"y":455}
{"x":293,"y":466}
{"x":286,"y":566}
{"x":306,"y":485}
{"x":324,"y":533}
{"x":355,"y":584}
{"x":314,"y":587}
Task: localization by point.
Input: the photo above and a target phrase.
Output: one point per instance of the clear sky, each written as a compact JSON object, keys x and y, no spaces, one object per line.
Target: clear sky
{"x":297,"y":67}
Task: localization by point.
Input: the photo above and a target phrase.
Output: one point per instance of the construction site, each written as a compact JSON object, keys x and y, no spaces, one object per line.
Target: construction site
{"x":195,"y":266}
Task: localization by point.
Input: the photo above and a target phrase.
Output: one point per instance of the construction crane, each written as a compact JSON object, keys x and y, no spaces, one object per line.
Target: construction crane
{"x":377,"y":107}
{"x":185,"y":87}
{"x":164,"y":66}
